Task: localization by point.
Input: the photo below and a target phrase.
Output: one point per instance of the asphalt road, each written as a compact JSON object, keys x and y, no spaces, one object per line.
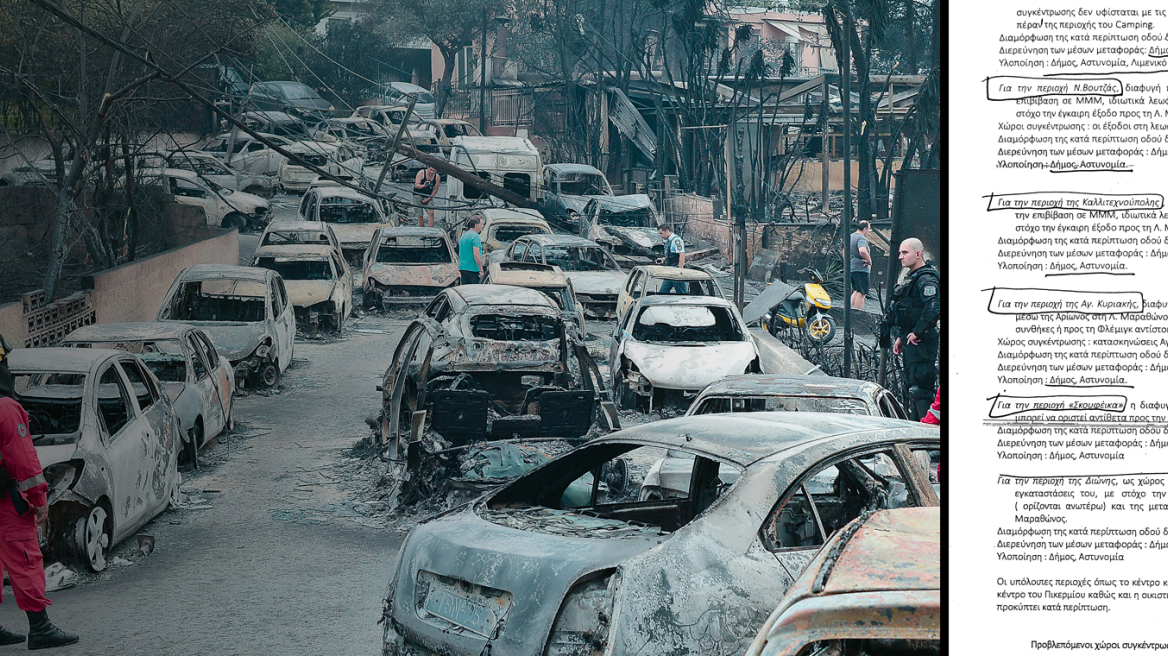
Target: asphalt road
{"x":274,"y":562}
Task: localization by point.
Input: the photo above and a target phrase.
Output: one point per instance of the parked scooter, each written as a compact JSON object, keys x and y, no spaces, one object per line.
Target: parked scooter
{"x":805,"y":310}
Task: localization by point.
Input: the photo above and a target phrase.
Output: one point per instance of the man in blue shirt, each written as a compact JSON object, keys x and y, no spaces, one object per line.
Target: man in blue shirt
{"x":674,"y":256}
{"x":470,"y":252}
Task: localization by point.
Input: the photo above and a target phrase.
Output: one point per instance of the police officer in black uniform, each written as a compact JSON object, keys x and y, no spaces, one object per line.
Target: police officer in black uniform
{"x":913,"y":314}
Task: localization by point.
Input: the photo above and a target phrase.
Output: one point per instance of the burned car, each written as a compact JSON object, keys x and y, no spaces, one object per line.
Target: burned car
{"x":668,"y":347}
{"x":335,"y":158}
{"x":245,"y":311}
{"x":353,"y":216}
{"x":198,"y":380}
{"x":569,"y":187}
{"x":773,"y":393}
{"x":248,"y":154}
{"x":319,"y":283}
{"x":595,"y":275}
{"x":280,"y":233}
{"x":209,"y":167}
{"x":626,"y":225}
{"x":501,"y":226}
{"x":222,"y":206}
{"x":648,"y":278}
{"x":546,"y":278}
{"x":873,"y":589}
{"x":108,"y":440}
{"x":490,"y":360}
{"x":776,"y":393}
{"x":407,"y":266}
{"x":556,"y":563}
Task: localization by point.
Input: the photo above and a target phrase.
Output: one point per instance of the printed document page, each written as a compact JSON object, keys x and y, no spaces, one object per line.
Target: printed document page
{"x":1058,"y":347}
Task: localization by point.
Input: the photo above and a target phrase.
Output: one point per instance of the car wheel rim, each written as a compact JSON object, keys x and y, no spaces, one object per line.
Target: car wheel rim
{"x":819,"y":329}
{"x":270,"y":374}
{"x":96,"y":538}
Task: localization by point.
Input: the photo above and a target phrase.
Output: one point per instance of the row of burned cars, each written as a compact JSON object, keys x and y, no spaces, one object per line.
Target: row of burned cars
{"x":781,"y":515}
{"x":114,"y":409}
{"x":798,"y":512}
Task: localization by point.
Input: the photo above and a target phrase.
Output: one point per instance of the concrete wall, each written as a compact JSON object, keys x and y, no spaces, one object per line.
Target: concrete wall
{"x":134,"y":291}
{"x":717,"y":233}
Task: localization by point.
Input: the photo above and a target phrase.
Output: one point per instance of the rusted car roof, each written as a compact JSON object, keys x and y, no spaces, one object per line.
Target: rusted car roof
{"x":501,"y":295}
{"x":890,"y":551}
{"x":747,"y":437}
{"x":519,"y":216}
{"x":560,"y":240}
{"x":878,"y":577}
{"x":290,"y":225}
{"x":413,"y":231}
{"x":63,"y":359}
{"x":768,"y":384}
{"x":526,"y":274}
{"x":128,"y":332}
{"x":219,"y":271}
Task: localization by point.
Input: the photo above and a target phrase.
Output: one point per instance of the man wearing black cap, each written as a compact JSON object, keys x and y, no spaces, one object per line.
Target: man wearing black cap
{"x":23,"y":489}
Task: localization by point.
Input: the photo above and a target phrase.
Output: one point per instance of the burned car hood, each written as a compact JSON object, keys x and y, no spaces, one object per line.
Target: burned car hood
{"x":422,"y":275}
{"x":351,"y":233}
{"x":532,"y":555}
{"x":596,"y":282}
{"x":233,"y":340}
{"x":577,"y":203}
{"x":309,"y":292}
{"x":673,"y":366}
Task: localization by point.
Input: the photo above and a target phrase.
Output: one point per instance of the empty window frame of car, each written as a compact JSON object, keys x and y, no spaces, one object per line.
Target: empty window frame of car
{"x":686,"y":324}
{"x":218,"y":300}
{"x":840,"y":489}
{"x":337,"y":209}
{"x":408,"y":249}
{"x":577,"y":258}
{"x":299,"y":268}
{"x":603,"y":481}
{"x":769,"y":403}
{"x":53,"y":401}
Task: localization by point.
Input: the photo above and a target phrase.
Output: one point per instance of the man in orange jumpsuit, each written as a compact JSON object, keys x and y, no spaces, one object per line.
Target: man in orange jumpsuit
{"x":23,"y":505}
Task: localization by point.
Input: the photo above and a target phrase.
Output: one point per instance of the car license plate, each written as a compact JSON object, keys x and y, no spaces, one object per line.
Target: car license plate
{"x":474,"y":608}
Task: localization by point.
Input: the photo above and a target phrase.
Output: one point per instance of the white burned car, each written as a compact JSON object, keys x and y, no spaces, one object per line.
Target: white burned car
{"x":247,"y":154}
{"x":352,"y":215}
{"x":283,"y":233}
{"x":209,"y":167}
{"x":245,"y":310}
{"x":108,"y":440}
{"x":561,"y":562}
{"x":223,"y":207}
{"x":319,"y":282}
{"x":335,"y":158}
{"x":668,"y":347}
{"x":198,"y":380}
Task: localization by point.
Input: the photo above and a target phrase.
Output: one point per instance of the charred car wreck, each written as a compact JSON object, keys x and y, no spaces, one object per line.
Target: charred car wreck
{"x":407,"y":265}
{"x":491,"y":360}
{"x":556,"y":563}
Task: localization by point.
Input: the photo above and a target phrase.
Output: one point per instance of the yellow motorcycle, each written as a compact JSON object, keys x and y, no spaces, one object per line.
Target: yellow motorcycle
{"x":805,"y":310}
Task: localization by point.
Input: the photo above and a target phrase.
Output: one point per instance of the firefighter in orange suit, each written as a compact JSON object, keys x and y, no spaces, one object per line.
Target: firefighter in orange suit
{"x":23,"y":505}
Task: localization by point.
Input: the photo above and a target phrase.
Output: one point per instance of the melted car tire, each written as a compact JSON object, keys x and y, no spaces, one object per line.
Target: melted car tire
{"x":235,"y":220}
{"x":90,"y":538}
{"x":269,"y":374}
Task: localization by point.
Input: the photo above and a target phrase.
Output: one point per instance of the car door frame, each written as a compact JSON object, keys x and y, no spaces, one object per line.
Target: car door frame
{"x":123,"y":449}
{"x":214,"y":409}
{"x":284,"y":324}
